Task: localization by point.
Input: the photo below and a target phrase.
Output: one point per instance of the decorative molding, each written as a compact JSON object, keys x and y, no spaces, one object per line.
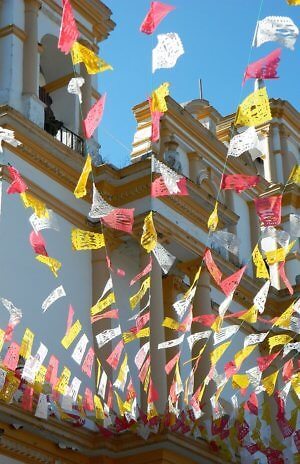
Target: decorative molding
{"x":13,"y":29}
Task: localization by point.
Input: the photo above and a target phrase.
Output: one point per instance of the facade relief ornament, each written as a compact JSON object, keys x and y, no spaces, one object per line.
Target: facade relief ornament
{"x":172,"y":156}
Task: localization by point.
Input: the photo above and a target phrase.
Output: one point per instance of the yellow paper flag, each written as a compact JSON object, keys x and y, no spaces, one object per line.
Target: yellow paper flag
{"x":85,"y":240}
{"x":269,"y":382}
{"x":213,"y":219}
{"x":218,"y":352}
{"x":171,"y":323}
{"x":293,"y":2}
{"x":217,"y":324}
{"x":240,"y":381}
{"x":261,"y":268}
{"x":254,"y":110}
{"x":99,"y":411}
{"x":149,"y":237}
{"x":135,"y":299}
{"x":295,"y":175}
{"x":38,"y":206}
{"x":52,"y":263}
{"x":93,"y":64}
{"x":26,"y":344}
{"x":285,"y":319}
{"x":62,"y":383}
{"x":71,"y":334}
{"x":278,"y":340}
{"x":296,"y":384}
{"x":103,"y":304}
{"x":243,"y":354}
{"x":250,"y":316}
{"x":130,"y":336}
{"x":80,"y":190}
{"x":40,"y":379}
{"x":158,"y":98}
{"x":276,"y":256}
{"x":2,"y":337}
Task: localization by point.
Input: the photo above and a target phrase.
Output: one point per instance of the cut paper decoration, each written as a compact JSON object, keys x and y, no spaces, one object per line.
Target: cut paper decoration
{"x":135,"y":299}
{"x":86,"y":240}
{"x":254,"y":110}
{"x":80,"y":189}
{"x":114,"y":358}
{"x":57,"y":293}
{"x":230,"y":284}
{"x":94,"y":117}
{"x":93,"y":64}
{"x":238,"y":182}
{"x":218,"y":352}
{"x":279,"y":236}
{"x":167,"y":51}
{"x":11,"y":358}
{"x":155,"y":123}
{"x":253,"y":339}
{"x":87,"y":364}
{"x":225,"y":305}
{"x":265,"y":68}
{"x":38,"y":243}
{"x":49,"y":222}
{"x":34,"y":363}
{"x":244,"y":141}
{"x":42,"y":407}
{"x":260,"y":298}
{"x":160,"y":189}
{"x":164,"y":258}
{"x":268,"y":210}
{"x":100,"y":207}
{"x":294,"y":177}
{"x":225,"y":333}
{"x":158,"y":11}
{"x":227,"y":240}
{"x":8,"y":136}
{"x":17,"y":185}
{"x":101,"y":305}
{"x":279,"y":254}
{"x":71,"y":334}
{"x":63,"y":381}
{"x":108,"y":335}
{"x":141,"y":355}
{"x":293,"y":2}
{"x":278,"y":340}
{"x":120,"y":219}
{"x":26,"y":344}
{"x":276,"y":29}
{"x":261,"y":268}
{"x":15,"y":316}
{"x":269,"y":383}
{"x":171,"y":182}
{"x":285,"y":278}
{"x":212,"y":267}
{"x":74,"y":87}
{"x":68,"y":29}
{"x":53,"y":264}
{"x":295,"y":225}
{"x":171,"y":343}
{"x":143,"y":273}
{"x":193,"y":338}
{"x":158,"y":98}
{"x":149,"y":236}
{"x":38,"y":206}
{"x":213,"y":219}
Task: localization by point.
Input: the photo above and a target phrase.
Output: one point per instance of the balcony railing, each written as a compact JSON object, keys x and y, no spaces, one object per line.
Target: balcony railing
{"x":70,"y":139}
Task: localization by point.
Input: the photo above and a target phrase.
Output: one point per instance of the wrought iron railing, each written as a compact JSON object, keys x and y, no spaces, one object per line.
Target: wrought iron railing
{"x":70,"y":139}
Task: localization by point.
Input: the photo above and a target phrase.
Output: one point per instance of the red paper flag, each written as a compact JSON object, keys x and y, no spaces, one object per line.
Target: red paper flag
{"x":154,"y":16}
{"x":94,"y":116}
{"x":265,"y":68}
{"x":27,"y":399}
{"x":159,"y":188}
{"x":11,"y":358}
{"x":230,"y":369}
{"x":120,"y":219}
{"x":284,"y":277}
{"x":212,"y":267}
{"x":87,"y":365}
{"x":269,"y":210}
{"x":131,"y":393}
{"x":38,"y":243}
{"x":155,"y":125}
{"x":252,"y":404}
{"x":238,"y":182}
{"x":52,"y":371}
{"x":152,"y":393}
{"x":68,"y":29}
{"x":114,"y":358}
{"x":206,"y":319}
{"x":264,"y":362}
{"x":169,"y":366}
{"x":88,"y":401}
{"x":18,"y":185}
{"x":230,"y":284}
{"x":287,"y":370}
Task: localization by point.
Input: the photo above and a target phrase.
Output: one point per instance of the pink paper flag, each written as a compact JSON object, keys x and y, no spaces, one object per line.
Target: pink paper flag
{"x":120,"y":219}
{"x":94,"y":116}
{"x":70,"y":318}
{"x":284,"y":277}
{"x":152,"y":393}
{"x":52,"y":371}
{"x":68,"y":29}
{"x":287,"y":370}
{"x":269,"y":210}
{"x":265,"y":68}
{"x":212,"y":267}
{"x":88,"y":401}
{"x":238,"y":182}
{"x":112,"y":314}
{"x":119,"y":272}
{"x":87,"y":365}
{"x":155,"y":125}
{"x":230,"y":284}
{"x":154,"y":16}
{"x":114,"y":358}
{"x":27,"y":399}
{"x":169,"y":366}
{"x":18,"y":185}
{"x":38,"y":243}
{"x":144,"y":272}
{"x":159,"y":188}
{"x":264,"y":362}
{"x":12,"y":357}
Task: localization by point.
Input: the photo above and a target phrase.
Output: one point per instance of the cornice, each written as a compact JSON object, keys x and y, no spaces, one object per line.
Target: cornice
{"x":13,"y":29}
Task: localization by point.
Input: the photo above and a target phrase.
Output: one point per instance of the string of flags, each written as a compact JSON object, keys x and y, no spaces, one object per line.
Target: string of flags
{"x":114,"y":406}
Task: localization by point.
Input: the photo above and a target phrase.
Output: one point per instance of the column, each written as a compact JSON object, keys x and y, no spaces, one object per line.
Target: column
{"x":33,"y":108}
{"x":270,"y":161}
{"x":158,"y":357}
{"x":11,"y":52}
{"x":285,"y":161}
{"x":194,"y":165}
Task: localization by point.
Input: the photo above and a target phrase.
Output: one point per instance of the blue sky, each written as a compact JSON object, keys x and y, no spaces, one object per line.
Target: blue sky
{"x":217,"y":37}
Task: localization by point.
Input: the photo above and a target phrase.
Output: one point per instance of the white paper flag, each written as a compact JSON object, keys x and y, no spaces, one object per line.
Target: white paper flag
{"x":225,"y":333}
{"x":73,"y":389}
{"x":141,"y":355}
{"x":102,"y":385}
{"x":100,"y":207}
{"x":42,"y":407}
{"x":254,"y":375}
{"x":170,"y":177}
{"x":80,"y":348}
{"x":225,"y":305}
{"x":227,"y":240}
{"x":8,"y":136}
{"x":133,"y":318}
{"x":193,"y":338}
{"x":66,"y":403}
{"x":276,"y":29}
{"x":283,"y":394}
{"x":281,"y":236}
{"x":108,"y":335}
{"x":33,"y":363}
{"x":182,"y":305}
{"x":252,"y":339}
{"x":40,"y":223}
{"x":2,"y":378}
{"x":295,"y":225}
{"x":295,"y":324}
{"x":260,"y":299}
{"x":242,"y":142}
{"x":75,"y":85}
{"x":120,"y":384}
{"x":171,"y":343}
{"x":164,"y":258}
{"x":15,"y":314}
{"x":167,"y":51}
{"x":57,"y":293}
{"x":289,"y":347}
{"x":108,"y":286}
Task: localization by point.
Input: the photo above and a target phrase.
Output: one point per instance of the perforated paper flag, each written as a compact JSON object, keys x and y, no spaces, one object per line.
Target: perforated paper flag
{"x":17,"y":185}
{"x":158,"y":98}
{"x":108,"y":335}
{"x":37,"y":205}
{"x":164,"y":258}
{"x":135,"y":299}
{"x":8,"y":136}
{"x":38,"y":243}
{"x":261,"y":268}
{"x":167,"y":51}
{"x":120,"y":219}
{"x":149,"y":236}
{"x":71,"y":334}
{"x":80,"y":189}
{"x":227,"y":240}
{"x":276,"y":29}
{"x":75,"y":85}
{"x":94,"y":117}
{"x":155,"y":15}
{"x":213,"y":219}
{"x":93,"y":64}
{"x":171,"y":343}
{"x":86,"y":240}
{"x":87,"y":364}
{"x":100,"y":207}
{"x":57,"y":293}
{"x":261,"y":297}
{"x":269,"y":209}
{"x":265,"y":68}
{"x":254,"y":110}
{"x":53,"y":264}
{"x":225,"y":333}
{"x":295,"y":225}
{"x":49,"y":222}
{"x":238,"y":182}
{"x":68,"y":29}
{"x":244,"y":141}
